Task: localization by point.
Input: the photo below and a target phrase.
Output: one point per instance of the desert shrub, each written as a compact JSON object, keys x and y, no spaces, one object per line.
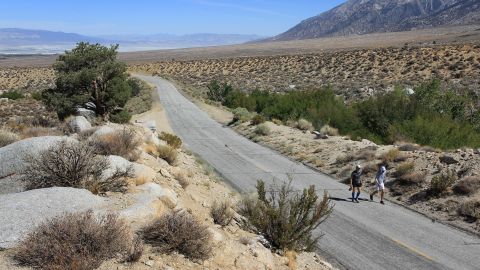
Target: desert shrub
{"x":171,"y":139}
{"x":304,"y":124}
{"x":277,"y":122}
{"x":441,"y":183}
{"x":76,"y":241}
{"x":13,"y":95}
{"x":262,"y":129}
{"x":122,"y":143}
{"x":404,"y":168}
{"x":470,"y":209}
{"x":30,"y":132}
{"x":221,"y":213}
{"x":391,"y":155}
{"x":330,"y":131}
{"x":182,"y":179}
{"x":467,"y":186}
{"x":345,"y":159}
{"x":180,"y":232}
{"x":167,"y":153}
{"x":412,"y":178}
{"x":258,"y":119}
{"x":67,"y":164}
{"x":286,"y":218}
{"x":365,"y":154}
{"x":408,"y":147}
{"x":72,"y":164}
{"x":7,"y":137}
{"x":121,"y":117}
{"x":242,"y":115}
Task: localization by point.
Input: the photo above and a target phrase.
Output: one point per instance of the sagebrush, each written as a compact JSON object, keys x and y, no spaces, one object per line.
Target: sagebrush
{"x":122,"y":143}
{"x":180,"y":232}
{"x":222,"y":213}
{"x":81,"y":241}
{"x":171,"y":139}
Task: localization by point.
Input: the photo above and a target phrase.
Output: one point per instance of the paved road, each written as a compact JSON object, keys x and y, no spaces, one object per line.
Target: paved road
{"x":357,"y":236}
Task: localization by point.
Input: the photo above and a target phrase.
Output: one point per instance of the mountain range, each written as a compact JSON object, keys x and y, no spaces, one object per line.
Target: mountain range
{"x":356,"y":17}
{"x":27,"y":41}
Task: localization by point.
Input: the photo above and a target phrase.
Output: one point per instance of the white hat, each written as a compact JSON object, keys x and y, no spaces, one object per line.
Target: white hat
{"x":383,"y":169}
{"x":358,"y":166}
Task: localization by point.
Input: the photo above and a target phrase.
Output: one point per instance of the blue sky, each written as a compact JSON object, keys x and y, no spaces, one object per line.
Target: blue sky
{"x":97,"y":17}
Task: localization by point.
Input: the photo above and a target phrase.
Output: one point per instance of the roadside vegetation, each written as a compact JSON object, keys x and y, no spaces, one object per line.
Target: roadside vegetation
{"x":431,"y":116}
{"x":286,"y":218}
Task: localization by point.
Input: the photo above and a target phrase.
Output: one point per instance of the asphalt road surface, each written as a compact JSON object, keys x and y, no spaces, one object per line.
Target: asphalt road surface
{"x":367,"y":235}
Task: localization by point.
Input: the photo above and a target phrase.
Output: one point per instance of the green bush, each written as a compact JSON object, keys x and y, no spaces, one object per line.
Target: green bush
{"x":242,"y":115}
{"x":121,"y":117}
{"x":431,"y":116}
{"x":286,"y":218}
{"x":217,"y":91}
{"x":14,"y":95}
{"x":404,"y":168}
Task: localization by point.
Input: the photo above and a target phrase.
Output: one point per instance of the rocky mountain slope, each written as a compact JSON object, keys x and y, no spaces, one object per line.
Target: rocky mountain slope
{"x":357,"y":17}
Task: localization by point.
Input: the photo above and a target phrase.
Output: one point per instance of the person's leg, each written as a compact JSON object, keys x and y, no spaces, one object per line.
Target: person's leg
{"x":353,"y":194}
{"x":373,"y":194}
{"x":358,"y":193}
{"x":382,"y":193}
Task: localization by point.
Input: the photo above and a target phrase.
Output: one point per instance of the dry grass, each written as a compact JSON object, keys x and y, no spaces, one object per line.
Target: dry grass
{"x":122,"y":143}
{"x":391,"y":155}
{"x":470,"y":209}
{"x":7,"y":137}
{"x":440,"y":184}
{"x":180,"y":232}
{"x":330,"y":131}
{"x":412,"y":178}
{"x":305,"y":125}
{"x":77,"y":241}
{"x":221,"y":213}
{"x":467,"y":186}
{"x":167,"y":153}
{"x":182,"y":178}
{"x":404,"y":168}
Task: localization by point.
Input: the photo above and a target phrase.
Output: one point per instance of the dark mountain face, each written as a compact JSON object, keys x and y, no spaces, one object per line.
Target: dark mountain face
{"x":371,"y":16}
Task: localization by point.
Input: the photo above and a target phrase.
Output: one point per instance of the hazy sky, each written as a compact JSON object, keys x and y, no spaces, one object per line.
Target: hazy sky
{"x":96,"y":17}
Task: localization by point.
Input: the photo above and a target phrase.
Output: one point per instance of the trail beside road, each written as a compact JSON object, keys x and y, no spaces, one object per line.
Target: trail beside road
{"x":357,"y":236}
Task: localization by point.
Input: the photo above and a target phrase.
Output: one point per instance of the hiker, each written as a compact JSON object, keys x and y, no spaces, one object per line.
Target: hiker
{"x":380,"y":183}
{"x":356,"y":183}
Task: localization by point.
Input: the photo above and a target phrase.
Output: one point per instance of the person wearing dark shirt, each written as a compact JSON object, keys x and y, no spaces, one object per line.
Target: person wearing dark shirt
{"x":356,"y":183}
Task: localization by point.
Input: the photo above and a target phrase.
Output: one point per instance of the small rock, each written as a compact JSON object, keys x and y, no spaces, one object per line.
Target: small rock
{"x":165,"y":173}
{"x":150,"y":263}
{"x":79,"y":124}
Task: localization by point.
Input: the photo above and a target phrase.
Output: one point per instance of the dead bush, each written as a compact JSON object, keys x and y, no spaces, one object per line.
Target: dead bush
{"x":167,"y":153}
{"x":286,"y":218}
{"x":412,"y":178}
{"x":303,"y":124}
{"x":441,"y":183}
{"x":7,"y":137}
{"x":75,"y":241}
{"x":72,"y":164}
{"x":330,"y":131}
{"x":467,"y":186}
{"x":221,"y":213}
{"x":173,"y":140}
{"x":68,"y":164}
{"x":277,"y":122}
{"x":180,"y":232}
{"x":182,"y":179}
{"x":391,"y":155}
{"x":345,"y":159}
{"x":122,"y":143}
{"x":408,"y":147}
{"x":257,"y":120}
{"x":470,"y":209}
{"x":365,"y":154}
{"x":404,"y":168}
{"x":31,"y":132}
